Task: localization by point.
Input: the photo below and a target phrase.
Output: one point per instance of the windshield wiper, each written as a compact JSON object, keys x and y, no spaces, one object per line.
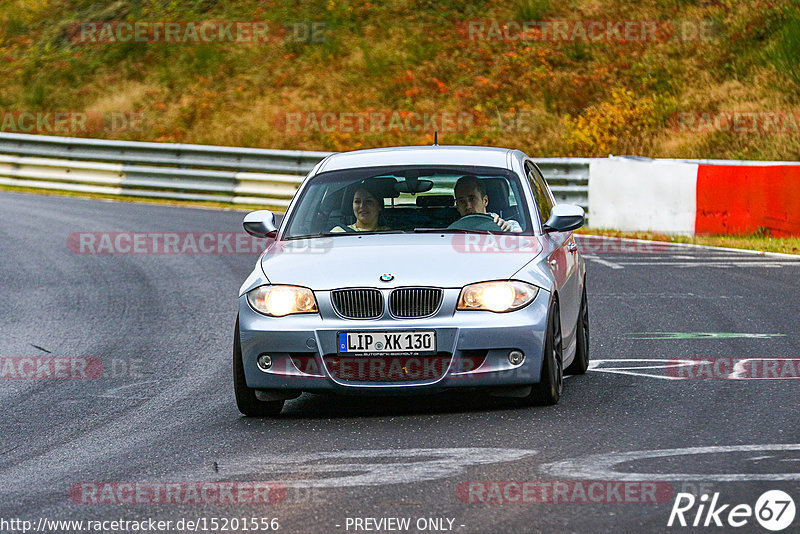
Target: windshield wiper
{"x":311,"y":236}
{"x":334,"y":234}
{"x":451,"y":231}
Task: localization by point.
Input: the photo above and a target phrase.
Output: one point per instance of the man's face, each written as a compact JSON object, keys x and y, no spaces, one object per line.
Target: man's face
{"x":470,"y":201}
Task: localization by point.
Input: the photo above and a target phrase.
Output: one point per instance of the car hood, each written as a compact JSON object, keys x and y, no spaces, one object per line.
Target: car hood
{"x":449,"y":260}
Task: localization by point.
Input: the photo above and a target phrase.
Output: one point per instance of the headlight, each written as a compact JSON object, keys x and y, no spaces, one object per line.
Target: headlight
{"x":496,"y":296}
{"x":278,"y":301}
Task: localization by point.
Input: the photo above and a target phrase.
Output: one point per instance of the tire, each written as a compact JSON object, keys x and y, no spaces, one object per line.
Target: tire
{"x":548,"y":391}
{"x":581,"y":362}
{"x":246,"y":399}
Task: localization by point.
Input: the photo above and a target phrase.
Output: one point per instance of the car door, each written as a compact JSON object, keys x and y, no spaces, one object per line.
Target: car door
{"x":562,"y":256}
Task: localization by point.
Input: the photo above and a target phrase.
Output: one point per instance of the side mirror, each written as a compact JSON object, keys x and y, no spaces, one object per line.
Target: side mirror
{"x":260,"y":223}
{"x":565,"y":217}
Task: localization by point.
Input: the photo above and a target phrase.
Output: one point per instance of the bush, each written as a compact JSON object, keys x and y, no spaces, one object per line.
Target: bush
{"x":619,"y":125}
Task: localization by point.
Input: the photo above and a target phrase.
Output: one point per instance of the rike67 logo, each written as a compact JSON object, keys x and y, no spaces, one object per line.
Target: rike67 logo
{"x":774,"y":510}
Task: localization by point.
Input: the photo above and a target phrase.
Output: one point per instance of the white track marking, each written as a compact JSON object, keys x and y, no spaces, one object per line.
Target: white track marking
{"x":661,"y":336}
{"x":365,"y":467}
{"x":761,"y":264}
{"x":594,"y":365}
{"x":691,"y":245}
{"x":603,"y":466}
{"x":684,"y":257}
{"x":595,"y":259}
{"x":739,"y":370}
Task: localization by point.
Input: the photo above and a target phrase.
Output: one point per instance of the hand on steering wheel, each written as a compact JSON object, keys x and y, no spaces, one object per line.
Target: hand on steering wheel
{"x":502,"y":223}
{"x":479,"y":221}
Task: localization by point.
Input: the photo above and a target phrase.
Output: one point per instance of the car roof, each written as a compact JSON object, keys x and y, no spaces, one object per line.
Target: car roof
{"x":419,"y":155}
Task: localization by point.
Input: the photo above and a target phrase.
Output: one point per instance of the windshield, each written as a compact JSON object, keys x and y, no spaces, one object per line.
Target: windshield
{"x":410,"y":199}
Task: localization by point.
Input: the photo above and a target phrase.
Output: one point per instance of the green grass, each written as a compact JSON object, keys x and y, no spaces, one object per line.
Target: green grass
{"x":763,"y":243}
{"x":785,"y":53}
{"x":533,"y":9}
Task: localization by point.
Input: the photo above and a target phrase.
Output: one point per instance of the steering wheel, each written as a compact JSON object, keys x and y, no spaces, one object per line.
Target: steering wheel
{"x":476,"y":221}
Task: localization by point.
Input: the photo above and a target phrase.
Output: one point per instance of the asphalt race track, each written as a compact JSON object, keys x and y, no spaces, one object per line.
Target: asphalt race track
{"x":695,"y":373}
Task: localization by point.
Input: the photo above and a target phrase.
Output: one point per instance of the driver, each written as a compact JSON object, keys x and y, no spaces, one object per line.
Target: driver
{"x":471,"y":199}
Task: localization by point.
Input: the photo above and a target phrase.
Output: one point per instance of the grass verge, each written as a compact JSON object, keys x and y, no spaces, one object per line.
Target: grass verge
{"x":762,"y":243}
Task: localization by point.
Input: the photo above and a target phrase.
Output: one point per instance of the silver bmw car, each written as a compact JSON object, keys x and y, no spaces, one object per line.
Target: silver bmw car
{"x":413,"y":270}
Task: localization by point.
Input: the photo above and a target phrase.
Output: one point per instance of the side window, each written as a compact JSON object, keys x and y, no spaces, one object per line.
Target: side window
{"x":543,"y":202}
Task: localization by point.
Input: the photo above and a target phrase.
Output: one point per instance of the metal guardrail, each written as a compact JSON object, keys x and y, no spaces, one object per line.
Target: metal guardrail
{"x":568,"y":179}
{"x":197,"y":172}
{"x":174,"y":154}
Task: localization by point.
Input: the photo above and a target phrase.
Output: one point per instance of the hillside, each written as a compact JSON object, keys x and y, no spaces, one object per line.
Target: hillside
{"x":662,"y":78}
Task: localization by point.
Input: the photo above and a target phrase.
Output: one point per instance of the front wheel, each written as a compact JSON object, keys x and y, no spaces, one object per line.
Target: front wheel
{"x":581,"y":362}
{"x":246,"y":399}
{"x":548,"y":391}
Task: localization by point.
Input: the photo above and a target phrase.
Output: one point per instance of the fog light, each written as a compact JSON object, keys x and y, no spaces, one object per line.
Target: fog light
{"x":264,"y":361}
{"x":516,"y":357}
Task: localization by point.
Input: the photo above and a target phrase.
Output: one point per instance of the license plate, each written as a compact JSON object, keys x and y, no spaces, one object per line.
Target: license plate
{"x":411,"y":343}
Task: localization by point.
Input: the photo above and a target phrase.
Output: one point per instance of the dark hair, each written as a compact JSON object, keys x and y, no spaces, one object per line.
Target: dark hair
{"x":371,"y":191}
{"x":373,"y":187}
{"x":470,"y":180}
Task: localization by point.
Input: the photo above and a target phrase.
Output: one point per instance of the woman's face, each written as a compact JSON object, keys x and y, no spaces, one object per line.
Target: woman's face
{"x":366,"y":209}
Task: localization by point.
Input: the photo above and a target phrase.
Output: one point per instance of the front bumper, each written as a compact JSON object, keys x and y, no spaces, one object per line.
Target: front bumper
{"x":464,"y":339}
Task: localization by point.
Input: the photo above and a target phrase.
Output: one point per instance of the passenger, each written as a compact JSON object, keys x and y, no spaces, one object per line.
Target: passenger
{"x":367,"y":207}
{"x":471,"y":199}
